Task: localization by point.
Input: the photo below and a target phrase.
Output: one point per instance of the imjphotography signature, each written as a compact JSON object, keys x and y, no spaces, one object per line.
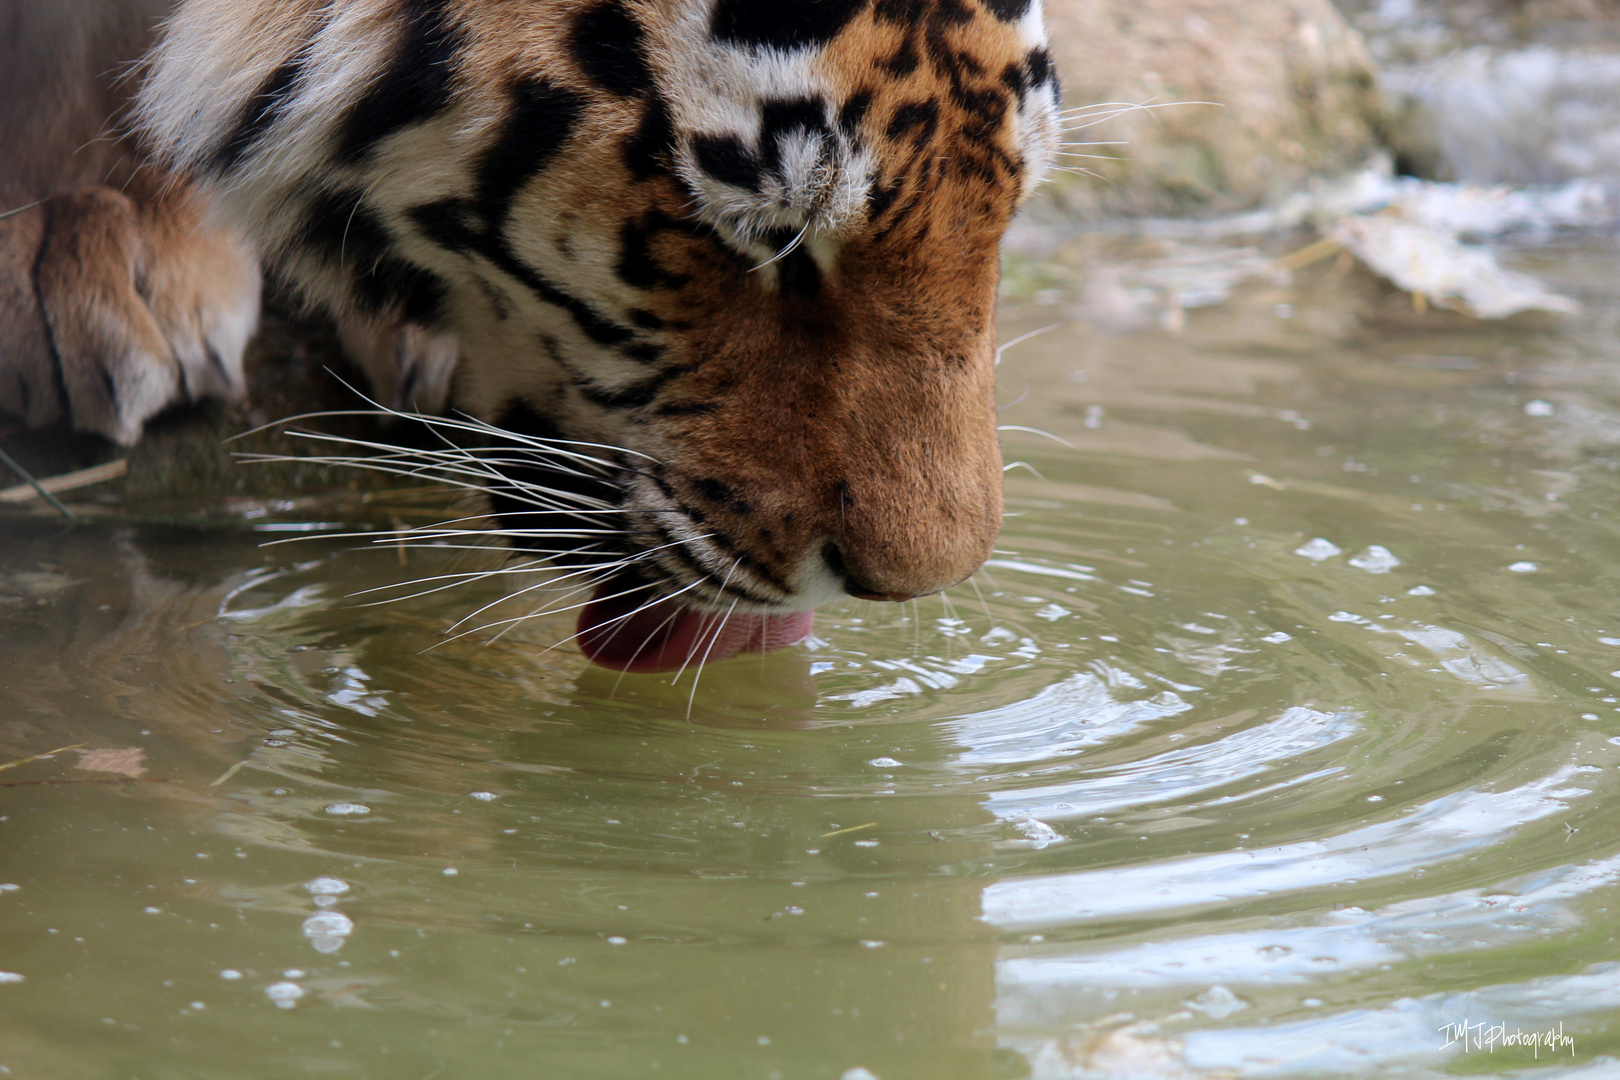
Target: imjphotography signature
{"x":1490,"y":1037}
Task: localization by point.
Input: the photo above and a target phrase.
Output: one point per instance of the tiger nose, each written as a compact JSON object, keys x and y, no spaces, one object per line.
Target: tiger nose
{"x":834,"y":558}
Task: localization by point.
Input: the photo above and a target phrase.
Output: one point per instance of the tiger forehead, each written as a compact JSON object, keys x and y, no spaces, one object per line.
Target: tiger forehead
{"x":775,"y":105}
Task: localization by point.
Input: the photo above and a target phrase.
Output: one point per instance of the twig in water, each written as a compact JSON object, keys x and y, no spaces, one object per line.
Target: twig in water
{"x":11,"y":464}
{"x":95,"y":474}
{"x":230,"y":772}
{"x":852,"y":828}
{"x":88,"y":780}
{"x":41,"y":757}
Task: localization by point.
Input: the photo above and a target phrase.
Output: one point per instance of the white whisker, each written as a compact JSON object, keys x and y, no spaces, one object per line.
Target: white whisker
{"x":1021,"y":338}
{"x":697,"y":674}
{"x":1036,"y":431}
{"x":790,"y":248}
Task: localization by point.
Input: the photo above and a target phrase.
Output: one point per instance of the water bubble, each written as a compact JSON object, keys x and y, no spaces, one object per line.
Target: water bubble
{"x":858,"y":1073}
{"x":8,"y":887}
{"x":1317,"y":549}
{"x":1039,"y":833}
{"x":451,"y":871}
{"x":1217,"y":1002}
{"x":884,"y":763}
{"x":230,"y":974}
{"x":10,"y":977}
{"x":617,"y":940}
{"x":1420,"y":590}
{"x":284,"y":994}
{"x":327,"y":929}
{"x":483,"y":796}
{"x":1376,"y":559}
{"x":326,"y":886}
{"x":1278,"y":638}
{"x":1539,"y":408}
{"x":348,"y":809}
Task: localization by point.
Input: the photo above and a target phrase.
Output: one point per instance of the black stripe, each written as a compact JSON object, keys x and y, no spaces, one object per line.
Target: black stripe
{"x":726,"y":159}
{"x":688,"y":408}
{"x":647,"y":151}
{"x":676,"y":551}
{"x":1015,"y":79}
{"x":634,"y":396}
{"x":1007,"y":10}
{"x":450,"y":224}
{"x":542,"y":118}
{"x":343,"y":230}
{"x":637,"y":266}
{"x":782,"y":118}
{"x":261,"y":110}
{"x":416,"y":85}
{"x":611,"y":48}
{"x":1040,"y":67}
{"x":919,"y":119}
{"x":853,"y":112}
{"x":781,"y":24}
{"x":796,"y":272}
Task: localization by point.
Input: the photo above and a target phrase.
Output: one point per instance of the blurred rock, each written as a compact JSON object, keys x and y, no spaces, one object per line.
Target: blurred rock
{"x":1297,"y":94}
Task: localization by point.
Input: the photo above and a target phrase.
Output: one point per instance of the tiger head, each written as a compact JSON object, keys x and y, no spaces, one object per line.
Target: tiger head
{"x":750,"y":247}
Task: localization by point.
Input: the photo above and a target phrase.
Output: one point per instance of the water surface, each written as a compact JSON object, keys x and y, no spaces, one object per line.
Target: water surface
{"x":1281,"y":733}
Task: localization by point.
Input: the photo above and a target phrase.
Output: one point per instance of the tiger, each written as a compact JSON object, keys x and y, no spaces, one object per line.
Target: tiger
{"x":719,"y":276}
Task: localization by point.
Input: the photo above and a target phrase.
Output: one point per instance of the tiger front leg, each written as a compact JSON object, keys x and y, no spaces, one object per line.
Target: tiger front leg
{"x":113,"y":308}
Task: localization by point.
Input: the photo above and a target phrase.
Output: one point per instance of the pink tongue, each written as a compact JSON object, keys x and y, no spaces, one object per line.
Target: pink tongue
{"x":668,"y":635}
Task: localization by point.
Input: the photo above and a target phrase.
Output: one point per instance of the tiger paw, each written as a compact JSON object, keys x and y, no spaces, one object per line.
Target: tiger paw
{"x":112,"y":309}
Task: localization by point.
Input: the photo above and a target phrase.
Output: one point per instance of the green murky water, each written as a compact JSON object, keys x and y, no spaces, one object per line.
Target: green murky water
{"x":1282,"y":733}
